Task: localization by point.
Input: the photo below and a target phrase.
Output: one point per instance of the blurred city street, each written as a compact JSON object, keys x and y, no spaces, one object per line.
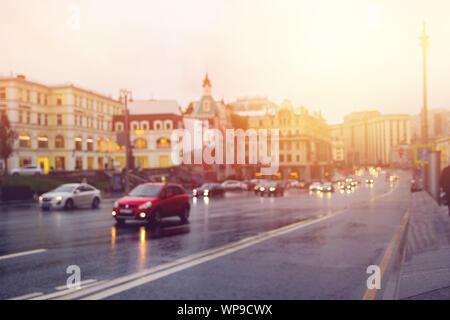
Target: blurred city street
{"x":233,"y":248}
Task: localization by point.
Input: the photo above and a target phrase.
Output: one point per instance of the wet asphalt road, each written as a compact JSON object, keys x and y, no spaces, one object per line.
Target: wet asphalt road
{"x":327,"y":259}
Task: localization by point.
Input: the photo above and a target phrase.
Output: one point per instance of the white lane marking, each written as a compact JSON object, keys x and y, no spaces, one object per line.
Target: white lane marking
{"x":65,"y":292}
{"x":19,"y":254}
{"x":260,"y":238}
{"x":82,"y":283}
{"x":27,"y":296}
{"x":189,"y":261}
{"x":123,"y":283}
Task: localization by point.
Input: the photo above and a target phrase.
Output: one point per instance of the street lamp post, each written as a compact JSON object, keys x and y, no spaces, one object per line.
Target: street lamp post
{"x":125,"y":96}
{"x":424,"y":44}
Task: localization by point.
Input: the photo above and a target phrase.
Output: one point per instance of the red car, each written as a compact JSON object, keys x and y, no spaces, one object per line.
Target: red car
{"x":150,"y":202}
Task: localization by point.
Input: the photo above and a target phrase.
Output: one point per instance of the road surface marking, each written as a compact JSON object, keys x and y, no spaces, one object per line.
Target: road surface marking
{"x":65,"y":292}
{"x":27,"y":296}
{"x":126,"y":282}
{"x":82,"y":283}
{"x":120,"y":284}
{"x":19,"y":254}
{"x":371,"y":293}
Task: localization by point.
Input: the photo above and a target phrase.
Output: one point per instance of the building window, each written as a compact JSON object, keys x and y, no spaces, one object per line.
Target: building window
{"x":24,"y":140}
{"x":163,"y":143}
{"x":90,"y":144}
{"x":168,"y":125}
{"x":45,"y":99}
{"x":78,"y":144}
{"x":119,"y":126}
{"x":39,"y":120}
{"x":60,"y":163}
{"x":19,"y":94}
{"x":28,"y":117}
{"x":78,"y":163}
{"x":39,"y":98}
{"x":59,"y":99}
{"x":157,"y":125}
{"x":20,"y":116}
{"x":100,"y":145}
{"x":206,"y":106}
{"x":46,"y":120}
{"x":2,"y":93}
{"x":59,"y":120}
{"x":42,"y":142}
{"x":59,"y":141}
{"x":140,"y":143}
{"x":28,"y":95}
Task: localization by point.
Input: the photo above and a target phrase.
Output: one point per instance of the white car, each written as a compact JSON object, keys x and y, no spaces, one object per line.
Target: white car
{"x":69,"y":196}
{"x":315,"y":186}
{"x":28,"y":170}
{"x":233,"y":185}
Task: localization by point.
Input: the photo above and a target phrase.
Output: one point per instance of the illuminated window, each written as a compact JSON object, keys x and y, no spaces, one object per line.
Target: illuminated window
{"x":163,"y":143}
{"x":59,"y":99}
{"x":2,"y":93}
{"x":140,"y":143}
{"x":108,"y":145}
{"x":42,"y":142}
{"x":100,"y":145}
{"x":19,"y":94}
{"x":59,"y":120}
{"x":24,"y":140}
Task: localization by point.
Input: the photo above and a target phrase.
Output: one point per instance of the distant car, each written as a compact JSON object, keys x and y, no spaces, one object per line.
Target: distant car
{"x":271,"y":188}
{"x":327,"y":187}
{"x":234,"y":185}
{"x":294,"y":184}
{"x":346,"y":186}
{"x":69,"y":196}
{"x":369,"y":181}
{"x":209,"y":190}
{"x":303,"y":184}
{"x":151,"y":202}
{"x":28,"y":170}
{"x":315,"y":186}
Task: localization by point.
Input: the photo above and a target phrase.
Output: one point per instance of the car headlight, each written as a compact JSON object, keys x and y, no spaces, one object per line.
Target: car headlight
{"x":40,"y":198}
{"x":194,"y":191}
{"x":58,"y":198}
{"x":262,"y":189}
{"x":145,"y":205}
{"x":272,"y":188}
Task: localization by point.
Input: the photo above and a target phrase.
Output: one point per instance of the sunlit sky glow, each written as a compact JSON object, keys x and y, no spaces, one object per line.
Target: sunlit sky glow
{"x":334,"y":56}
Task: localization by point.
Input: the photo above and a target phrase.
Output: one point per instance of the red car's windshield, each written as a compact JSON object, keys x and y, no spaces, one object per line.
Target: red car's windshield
{"x":145,"y":190}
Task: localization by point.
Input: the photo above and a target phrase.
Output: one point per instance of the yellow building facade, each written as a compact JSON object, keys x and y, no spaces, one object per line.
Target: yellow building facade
{"x":58,"y":127}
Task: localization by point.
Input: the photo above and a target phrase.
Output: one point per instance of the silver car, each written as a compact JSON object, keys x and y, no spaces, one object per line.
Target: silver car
{"x":69,"y":196}
{"x":28,"y":170}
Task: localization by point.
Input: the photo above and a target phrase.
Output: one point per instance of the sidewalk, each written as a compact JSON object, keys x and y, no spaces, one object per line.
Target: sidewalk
{"x":425,"y":270}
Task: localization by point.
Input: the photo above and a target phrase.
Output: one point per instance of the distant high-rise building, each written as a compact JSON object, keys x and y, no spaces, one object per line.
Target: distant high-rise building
{"x":369,"y":136}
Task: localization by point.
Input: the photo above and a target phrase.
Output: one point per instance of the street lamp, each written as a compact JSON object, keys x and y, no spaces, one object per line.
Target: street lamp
{"x":125,"y":96}
{"x":424,"y":44}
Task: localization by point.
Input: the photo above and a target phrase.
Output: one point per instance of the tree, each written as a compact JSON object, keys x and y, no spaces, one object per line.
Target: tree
{"x":7,"y":137}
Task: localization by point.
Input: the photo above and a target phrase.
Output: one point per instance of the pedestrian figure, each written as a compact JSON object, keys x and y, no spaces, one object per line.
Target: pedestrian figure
{"x":445,"y":185}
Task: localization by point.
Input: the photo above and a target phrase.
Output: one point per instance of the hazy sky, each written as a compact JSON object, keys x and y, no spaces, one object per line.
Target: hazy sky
{"x":336,"y":56}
